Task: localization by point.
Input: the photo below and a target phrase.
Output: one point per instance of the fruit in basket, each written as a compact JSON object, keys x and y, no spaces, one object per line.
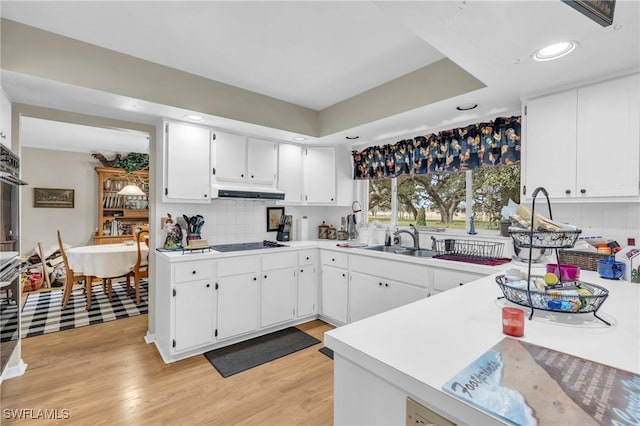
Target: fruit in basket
{"x":551,"y":278}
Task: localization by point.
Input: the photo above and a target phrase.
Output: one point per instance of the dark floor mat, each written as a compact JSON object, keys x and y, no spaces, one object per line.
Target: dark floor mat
{"x":328,"y":352}
{"x":242,"y":356}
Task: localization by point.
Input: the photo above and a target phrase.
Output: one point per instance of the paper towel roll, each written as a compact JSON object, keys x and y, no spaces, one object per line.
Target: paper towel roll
{"x":304,"y":228}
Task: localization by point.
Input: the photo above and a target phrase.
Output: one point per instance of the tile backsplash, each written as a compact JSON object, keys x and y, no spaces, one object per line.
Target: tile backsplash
{"x":231,"y":221}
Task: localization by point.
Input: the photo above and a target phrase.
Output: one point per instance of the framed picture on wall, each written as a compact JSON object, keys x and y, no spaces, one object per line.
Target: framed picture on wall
{"x":273,"y":217}
{"x":53,"y":198}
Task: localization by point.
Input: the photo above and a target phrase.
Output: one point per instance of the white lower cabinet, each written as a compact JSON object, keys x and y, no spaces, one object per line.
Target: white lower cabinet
{"x":446,"y":279}
{"x":278,"y":296}
{"x":307,"y":282}
{"x":237,"y":304}
{"x":335,"y":290}
{"x":194,"y":314}
{"x":370,"y":295}
{"x":307,"y":290}
{"x":194,"y":307}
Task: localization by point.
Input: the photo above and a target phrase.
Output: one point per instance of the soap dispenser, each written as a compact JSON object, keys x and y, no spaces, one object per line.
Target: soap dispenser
{"x":387,"y":237}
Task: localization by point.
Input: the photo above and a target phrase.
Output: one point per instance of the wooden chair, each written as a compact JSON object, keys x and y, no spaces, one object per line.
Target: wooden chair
{"x":45,"y":269}
{"x":71,"y":278}
{"x":141,"y":268}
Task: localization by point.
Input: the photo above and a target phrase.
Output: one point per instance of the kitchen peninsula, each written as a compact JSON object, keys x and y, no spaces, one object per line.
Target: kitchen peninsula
{"x":414,"y":350}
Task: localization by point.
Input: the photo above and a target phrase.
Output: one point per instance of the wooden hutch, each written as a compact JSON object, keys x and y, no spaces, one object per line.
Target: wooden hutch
{"x":128,"y":210}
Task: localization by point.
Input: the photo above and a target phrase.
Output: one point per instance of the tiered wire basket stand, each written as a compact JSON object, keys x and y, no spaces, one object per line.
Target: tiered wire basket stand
{"x":585,"y":297}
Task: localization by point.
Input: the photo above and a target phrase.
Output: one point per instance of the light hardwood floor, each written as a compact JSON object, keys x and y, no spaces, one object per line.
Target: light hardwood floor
{"x":107,"y":374}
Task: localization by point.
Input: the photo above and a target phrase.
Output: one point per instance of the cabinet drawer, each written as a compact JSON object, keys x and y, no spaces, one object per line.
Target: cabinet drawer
{"x":238,"y":265}
{"x":339,"y":260}
{"x":391,"y":269}
{"x":192,"y":271}
{"x":308,"y":257}
{"x":279,"y":261}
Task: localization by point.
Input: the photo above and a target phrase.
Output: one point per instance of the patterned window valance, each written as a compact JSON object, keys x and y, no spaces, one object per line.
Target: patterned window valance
{"x":465,"y":148}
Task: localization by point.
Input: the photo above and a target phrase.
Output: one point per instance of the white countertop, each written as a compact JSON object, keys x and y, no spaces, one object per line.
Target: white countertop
{"x":179,"y":256}
{"x":420,"y":346}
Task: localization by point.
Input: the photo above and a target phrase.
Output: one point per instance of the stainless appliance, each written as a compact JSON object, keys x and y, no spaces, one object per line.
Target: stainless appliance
{"x":9,"y":252}
{"x":245,"y":191}
{"x":247,"y":246}
{"x":284,"y":228}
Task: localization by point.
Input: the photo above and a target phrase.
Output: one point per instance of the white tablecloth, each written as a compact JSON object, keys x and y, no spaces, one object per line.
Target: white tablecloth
{"x":104,"y":260}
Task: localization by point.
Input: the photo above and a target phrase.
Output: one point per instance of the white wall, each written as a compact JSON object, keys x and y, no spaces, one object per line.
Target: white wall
{"x":43,"y":168}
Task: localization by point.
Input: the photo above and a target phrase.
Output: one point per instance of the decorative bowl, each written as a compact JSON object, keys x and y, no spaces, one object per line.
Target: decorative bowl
{"x":610,"y":268}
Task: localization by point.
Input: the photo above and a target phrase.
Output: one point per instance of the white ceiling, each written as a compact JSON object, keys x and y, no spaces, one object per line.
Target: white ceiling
{"x":318,"y":53}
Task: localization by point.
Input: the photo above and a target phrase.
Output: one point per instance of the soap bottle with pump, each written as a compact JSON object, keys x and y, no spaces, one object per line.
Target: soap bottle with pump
{"x":387,"y":237}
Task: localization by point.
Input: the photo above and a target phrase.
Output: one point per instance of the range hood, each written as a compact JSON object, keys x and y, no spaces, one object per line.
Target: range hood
{"x":245,"y":191}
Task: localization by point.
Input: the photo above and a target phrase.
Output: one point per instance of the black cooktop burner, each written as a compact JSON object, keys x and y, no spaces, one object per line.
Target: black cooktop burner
{"x":247,"y":246}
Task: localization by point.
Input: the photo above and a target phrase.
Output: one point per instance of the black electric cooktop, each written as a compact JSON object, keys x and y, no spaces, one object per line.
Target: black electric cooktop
{"x":247,"y":246}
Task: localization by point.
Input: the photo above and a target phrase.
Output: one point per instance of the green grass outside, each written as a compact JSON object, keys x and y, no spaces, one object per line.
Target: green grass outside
{"x":456,"y":224}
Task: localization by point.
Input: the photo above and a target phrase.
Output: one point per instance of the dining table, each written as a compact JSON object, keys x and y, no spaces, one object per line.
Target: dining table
{"x":104,"y":261}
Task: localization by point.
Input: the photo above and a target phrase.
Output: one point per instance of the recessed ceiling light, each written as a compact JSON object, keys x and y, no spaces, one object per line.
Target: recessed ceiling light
{"x":466,"y":107}
{"x":194,"y":117}
{"x":555,"y":51}
{"x":352,"y":138}
{"x":298,"y":138}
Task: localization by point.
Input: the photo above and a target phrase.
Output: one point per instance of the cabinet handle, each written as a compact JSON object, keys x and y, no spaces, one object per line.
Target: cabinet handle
{"x":255,"y":278}
{"x":568,"y":191}
{"x":193,"y":272}
{"x":583,"y":191}
{"x":380,"y":284}
{"x":205,"y":195}
{"x":208,"y":285}
{"x":333,"y":260}
{"x":242,"y":175}
{"x":251,"y":176}
{"x":386,"y":284}
{"x":265,"y":276}
{"x":307,"y":257}
{"x":301,"y":270}
{"x":461,"y":284}
{"x":344,"y":275}
{"x":332,"y":199}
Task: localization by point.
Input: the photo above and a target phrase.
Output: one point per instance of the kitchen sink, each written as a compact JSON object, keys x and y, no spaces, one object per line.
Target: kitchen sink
{"x":388,"y":249}
{"x":419,"y":253}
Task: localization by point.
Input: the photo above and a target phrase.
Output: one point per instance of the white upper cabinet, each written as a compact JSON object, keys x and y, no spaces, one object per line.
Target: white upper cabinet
{"x":584,"y":144}
{"x":261,"y":162}
{"x":5,"y":120}
{"x":187,"y":171}
{"x":320,"y":175}
{"x":237,"y":158}
{"x":609,"y":138}
{"x":229,"y":157}
{"x":290,"y":172}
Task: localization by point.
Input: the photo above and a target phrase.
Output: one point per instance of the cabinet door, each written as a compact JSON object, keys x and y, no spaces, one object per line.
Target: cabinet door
{"x":320,"y":174}
{"x":446,"y":279}
{"x":608,"y":136}
{"x":365,"y":296}
{"x":188,"y":153}
{"x":550,"y":145}
{"x":194,"y":313}
{"x":230,"y":157}
{"x":307,"y":290}
{"x":237,"y":305}
{"x":278,"y":298}
{"x":290,"y":172}
{"x":261,"y":162}
{"x":398,"y":294}
{"x":335,"y":289}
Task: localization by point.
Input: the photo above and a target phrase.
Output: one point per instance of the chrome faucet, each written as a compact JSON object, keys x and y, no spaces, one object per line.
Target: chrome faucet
{"x":415,"y":235}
